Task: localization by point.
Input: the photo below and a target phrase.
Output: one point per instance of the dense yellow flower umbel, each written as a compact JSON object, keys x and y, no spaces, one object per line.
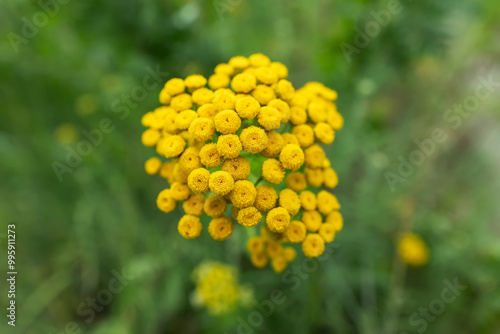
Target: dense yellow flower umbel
{"x":229,"y":143}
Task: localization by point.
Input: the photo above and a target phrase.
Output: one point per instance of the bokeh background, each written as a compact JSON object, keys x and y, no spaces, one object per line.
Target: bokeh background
{"x":72,"y":234}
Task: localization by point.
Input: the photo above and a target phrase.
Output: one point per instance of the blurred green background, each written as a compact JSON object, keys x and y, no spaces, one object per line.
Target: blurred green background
{"x":72,"y":70}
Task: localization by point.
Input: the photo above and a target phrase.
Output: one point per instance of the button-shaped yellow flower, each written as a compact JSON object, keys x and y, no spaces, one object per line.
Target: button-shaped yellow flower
{"x":272,"y":171}
{"x":247,"y":107}
{"x":263,"y":94}
{"x":304,"y":134}
{"x":278,"y":220}
{"x":308,"y":200}
{"x":179,"y":191}
{"x":259,"y":260}
{"x":292,"y":157}
{"x":269,"y":118}
{"x":229,"y":146}
{"x":202,"y":96}
{"x":239,"y":167}
{"x":195,"y":81}
{"x":209,"y":156}
{"x":296,"y":181}
{"x":194,"y":205}
{"x":266,"y":198}
{"x":335,"y":218}
{"x":223,"y":101}
{"x":202,"y":129}
{"x":313,"y":245}
{"x":165,"y":202}
{"x":327,"y":232}
{"x":218,"y":80}
{"x":150,"y":137}
{"x":152,"y":165}
{"x":266,"y":75}
{"x":243,"y":194}
{"x":253,"y":139}
{"x":327,"y":202}
{"x":198,"y":180}
{"x":289,"y":200}
{"x":243,"y":83}
{"x":249,"y":216}
{"x":255,"y":245}
{"x":227,"y":121}
{"x":221,"y":228}
{"x":413,"y":250}
{"x":215,"y":206}
{"x":181,"y":102}
{"x":190,"y":159}
{"x":173,"y":146}
{"x":275,"y":144}
{"x":315,"y":177}
{"x":175,"y":86}
{"x":189,"y":226}
{"x":296,"y":232}
{"x":324,"y":133}
{"x":331,"y":178}
{"x":221,"y":183}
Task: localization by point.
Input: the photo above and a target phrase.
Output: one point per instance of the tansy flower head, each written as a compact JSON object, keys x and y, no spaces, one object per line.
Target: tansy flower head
{"x":209,"y":156}
{"x":232,"y":143}
{"x":278,"y":220}
{"x":198,"y":180}
{"x":313,"y":245}
{"x":221,"y":228}
{"x":221,"y":183}
{"x":239,"y":168}
{"x":289,"y":200}
{"x":152,"y":165}
{"x":413,"y":250}
{"x":194,"y":205}
{"x":229,"y":146}
{"x":249,"y":216}
{"x":247,"y":107}
{"x":266,"y":198}
{"x":189,"y":226}
{"x":215,"y":206}
{"x":253,"y":139}
{"x":243,"y":194}
{"x":292,"y":157}
{"x":227,"y":121}
{"x":296,"y":232}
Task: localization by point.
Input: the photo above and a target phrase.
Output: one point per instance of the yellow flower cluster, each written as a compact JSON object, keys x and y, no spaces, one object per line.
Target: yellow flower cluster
{"x":413,"y":250}
{"x":246,"y":142}
{"x":217,"y":288}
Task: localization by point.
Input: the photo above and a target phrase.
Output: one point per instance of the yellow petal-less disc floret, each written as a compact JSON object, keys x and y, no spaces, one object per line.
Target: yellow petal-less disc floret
{"x":335,"y":218}
{"x":218,"y":80}
{"x":327,"y":232}
{"x":239,"y":167}
{"x":313,"y":245}
{"x":189,"y":226}
{"x":173,"y":146}
{"x":263,"y":94}
{"x":198,"y":180}
{"x":259,"y":59}
{"x":221,"y":228}
{"x":296,"y":181}
{"x":275,"y":144}
{"x":190,"y":159}
{"x":184,"y":119}
{"x":239,"y":62}
{"x":269,"y":118}
{"x":223,"y":101}
{"x":289,"y":138}
{"x":308,"y":200}
{"x":327,"y":202}
{"x":296,"y":232}
{"x":280,"y":69}
{"x":224,"y":69}
{"x":312,"y":220}
{"x":243,"y":83}
{"x":289,"y":253}
{"x":253,"y":139}
{"x":289,"y":200}
{"x":179,"y":191}
{"x":150,"y":137}
{"x":249,"y":216}
{"x":314,"y":156}
{"x":229,"y":146}
{"x":278,"y":220}
{"x":266,"y":198}
{"x":279,"y":263}
{"x":152,"y":165}
{"x":282,"y":107}
{"x":292,"y":157}
{"x":331,"y":178}
{"x":221,"y":183}
{"x":315,"y":176}
{"x":227,"y":121}
{"x":209,"y":156}
{"x":175,"y":86}
{"x":215,"y":206}
{"x":194,"y":205}
{"x":247,"y":107}
{"x":202,"y":129}
{"x":165,"y":202}
{"x":285,"y":90}
{"x":202,"y":96}
{"x":272,"y":171}
{"x":304,"y":134}
{"x":298,"y":115}
{"x":324,"y":133}
{"x":195,"y":81}
{"x":255,"y":245}
{"x":259,"y":260}
{"x":181,"y":102}
{"x":243,"y":194}
{"x":266,"y":75}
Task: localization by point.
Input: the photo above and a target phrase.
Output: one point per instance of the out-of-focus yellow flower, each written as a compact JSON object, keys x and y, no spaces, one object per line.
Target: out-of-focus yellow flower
{"x":289,"y":200}
{"x":173,"y":146}
{"x":217,"y":288}
{"x":312,"y":220}
{"x":308,"y":200}
{"x":327,"y":202}
{"x":272,"y":171}
{"x":165,"y":202}
{"x":243,"y":194}
{"x":152,"y":165}
{"x":221,"y":228}
{"x":175,"y":86}
{"x":194,"y":205}
{"x":243,"y":83}
{"x":304,"y":134}
{"x":218,"y":80}
{"x":266,"y":198}
{"x":313,"y":245}
{"x":269,"y":118}
{"x":195,"y":81}
{"x":296,"y":232}
{"x":255,"y":245}
{"x":249,"y":216}
{"x":275,"y":144}
{"x":413,"y":250}
{"x":327,"y":232}
{"x":296,"y":181}
{"x":66,"y":133}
